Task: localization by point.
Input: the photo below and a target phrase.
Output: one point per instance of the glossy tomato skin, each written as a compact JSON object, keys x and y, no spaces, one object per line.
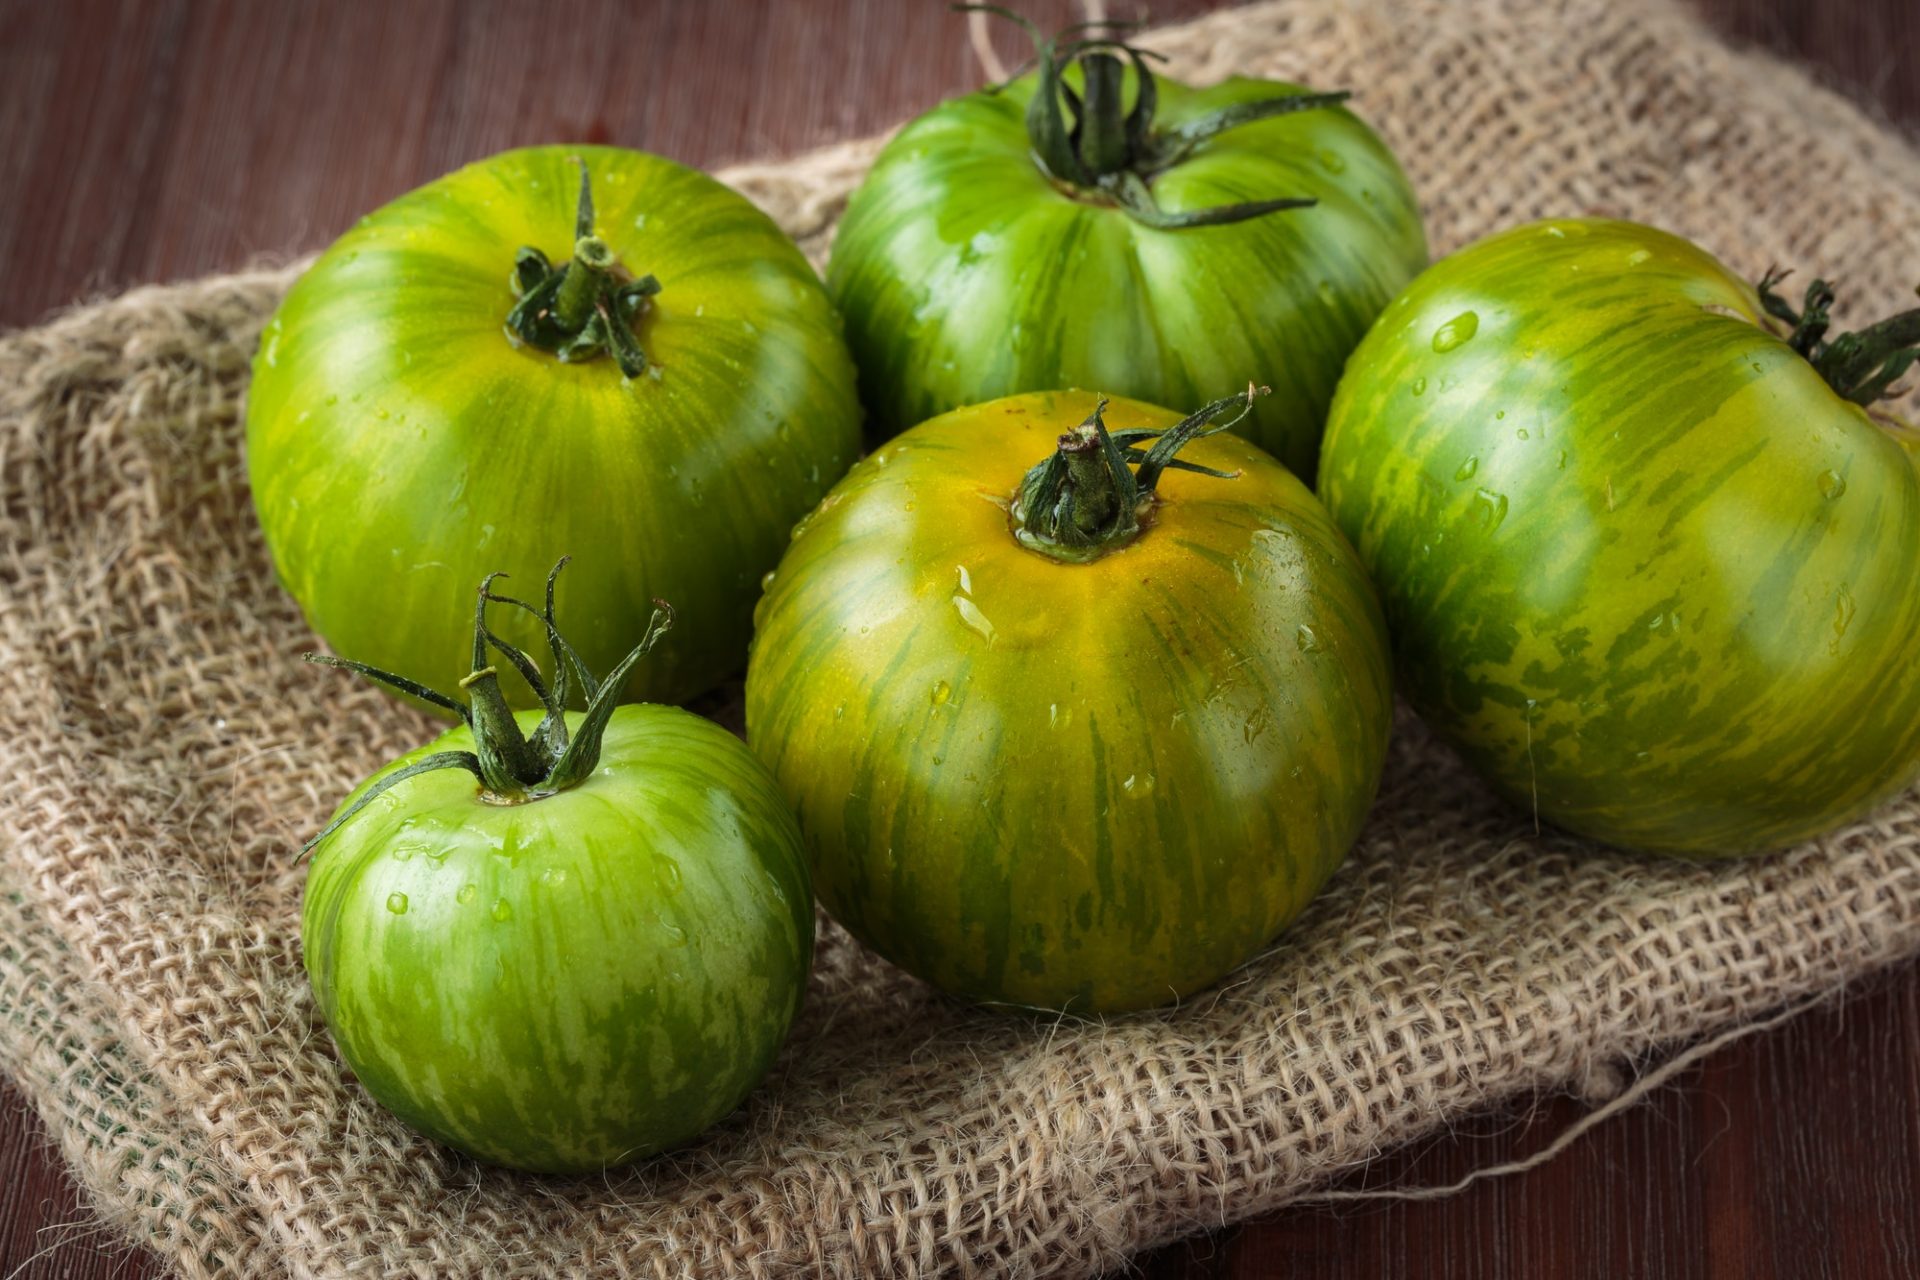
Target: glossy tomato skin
{"x":400,"y":448}
{"x":965,"y":274}
{"x":1641,"y":565}
{"x":570,"y":983}
{"x":1090,"y":786}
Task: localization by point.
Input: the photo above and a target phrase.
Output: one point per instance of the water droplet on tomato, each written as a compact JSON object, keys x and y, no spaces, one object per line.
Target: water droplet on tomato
{"x":669,"y":871}
{"x":839,"y":710}
{"x":1467,"y":468}
{"x":1638,"y":256}
{"x":554,"y":876}
{"x":1523,"y":434}
{"x":766,"y":579}
{"x":467,"y":894}
{"x":941,"y":692}
{"x":1456,"y":332}
{"x":1059,"y":717}
{"x":397,"y":903}
{"x":501,"y":910}
{"x":1304,"y":637}
{"x":676,"y":936}
{"x":1333,"y":160}
{"x":1419,"y":386}
{"x":975,"y":620}
{"x":1832,"y":484}
{"x":1138,"y":786}
{"x":1843,"y":611}
{"x":1493,"y":508}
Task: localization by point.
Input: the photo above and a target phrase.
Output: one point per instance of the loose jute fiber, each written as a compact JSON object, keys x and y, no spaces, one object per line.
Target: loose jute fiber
{"x":166,"y":751}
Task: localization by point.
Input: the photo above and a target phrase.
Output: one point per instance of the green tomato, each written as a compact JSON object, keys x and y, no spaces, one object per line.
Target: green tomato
{"x":1091,"y":769}
{"x":1647,"y":558}
{"x":572,"y":965}
{"x":401,"y":443}
{"x":968,"y":268}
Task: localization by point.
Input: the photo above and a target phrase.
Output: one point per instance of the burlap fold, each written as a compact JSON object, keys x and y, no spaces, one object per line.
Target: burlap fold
{"x":166,"y":751}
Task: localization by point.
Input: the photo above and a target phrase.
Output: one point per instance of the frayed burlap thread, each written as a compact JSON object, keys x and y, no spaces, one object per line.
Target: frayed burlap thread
{"x":166,"y":753}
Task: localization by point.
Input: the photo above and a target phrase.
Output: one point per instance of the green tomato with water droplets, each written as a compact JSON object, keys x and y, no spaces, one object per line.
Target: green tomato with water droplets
{"x":554,"y":351}
{"x":1061,"y":734}
{"x":1095,"y":225}
{"x":1645,"y":535}
{"x":561,"y":941}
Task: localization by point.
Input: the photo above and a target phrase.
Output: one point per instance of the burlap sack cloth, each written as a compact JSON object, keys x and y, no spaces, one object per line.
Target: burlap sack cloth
{"x":165,"y":751}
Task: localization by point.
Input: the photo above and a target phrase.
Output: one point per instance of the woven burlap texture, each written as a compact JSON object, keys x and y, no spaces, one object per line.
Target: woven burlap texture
{"x":166,"y":751}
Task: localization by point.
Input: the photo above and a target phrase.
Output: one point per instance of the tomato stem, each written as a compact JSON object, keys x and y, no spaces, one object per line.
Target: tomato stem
{"x":581,"y":283}
{"x":508,"y":762}
{"x":1082,"y":501}
{"x":513,"y":767}
{"x":1099,"y":149}
{"x":1104,"y":144}
{"x":1861,"y":366}
{"x":585,"y":307}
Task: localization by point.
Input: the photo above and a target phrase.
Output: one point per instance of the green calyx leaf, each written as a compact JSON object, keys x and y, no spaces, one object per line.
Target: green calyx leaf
{"x":585,"y":307}
{"x":1094,"y":492}
{"x":1093,"y":144}
{"x":513,"y":767}
{"x":1861,"y":366}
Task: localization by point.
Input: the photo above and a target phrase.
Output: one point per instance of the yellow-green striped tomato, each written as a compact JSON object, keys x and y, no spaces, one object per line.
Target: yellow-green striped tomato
{"x":402,"y":440}
{"x":1647,"y":547}
{"x":560,"y":942}
{"x":1160,"y":255}
{"x":1092,"y":764}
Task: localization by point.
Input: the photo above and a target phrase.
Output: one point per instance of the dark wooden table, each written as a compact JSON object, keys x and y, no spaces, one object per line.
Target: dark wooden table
{"x":158,"y":139}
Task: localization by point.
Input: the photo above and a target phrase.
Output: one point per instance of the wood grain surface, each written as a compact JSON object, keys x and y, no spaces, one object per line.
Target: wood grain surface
{"x":158,"y":139}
